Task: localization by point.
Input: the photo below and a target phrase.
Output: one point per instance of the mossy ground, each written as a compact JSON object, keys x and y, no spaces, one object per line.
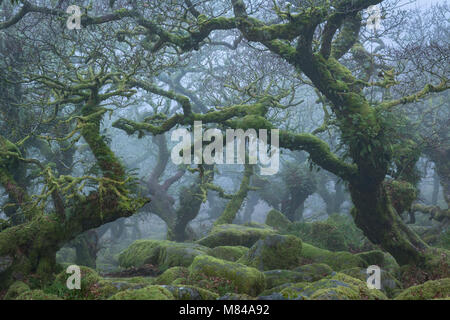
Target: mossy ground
{"x":274,"y":266}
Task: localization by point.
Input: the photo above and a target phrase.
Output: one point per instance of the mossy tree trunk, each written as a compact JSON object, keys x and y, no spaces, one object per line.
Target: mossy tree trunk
{"x":361,"y":126}
{"x":234,"y":205}
{"x":30,"y":248}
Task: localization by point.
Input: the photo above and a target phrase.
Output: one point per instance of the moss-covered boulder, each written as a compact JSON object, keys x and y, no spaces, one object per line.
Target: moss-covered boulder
{"x":314,"y":271}
{"x":337,"y":233}
{"x":277,"y":220}
{"x":89,"y":285}
{"x":238,"y":277}
{"x":276,"y":278}
{"x":336,"y":260}
{"x":235,"y":235}
{"x":171,"y":275}
{"x":16,"y":289}
{"x":229,"y":253}
{"x":37,"y":295}
{"x":389,"y":284}
{"x":373,"y":257}
{"x":162,"y":253}
{"x":337,"y":287}
{"x":110,"y":286}
{"x":434,"y":289}
{"x":235,"y":296}
{"x":146,"y":293}
{"x":274,"y":252}
{"x":187,"y":292}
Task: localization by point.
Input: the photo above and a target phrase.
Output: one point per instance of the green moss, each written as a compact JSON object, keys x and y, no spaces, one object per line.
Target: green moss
{"x":162,"y":253}
{"x":294,"y":291}
{"x":234,"y":235}
{"x":337,"y":287}
{"x":314,"y":271}
{"x":15,"y":290}
{"x":179,"y":281}
{"x":402,"y":194}
{"x":235,"y":296}
{"x":89,"y":285}
{"x":187,"y":292}
{"x":306,"y":273}
{"x":245,"y":279}
{"x":37,"y":295}
{"x":434,"y":289}
{"x":274,"y":252}
{"x":389,"y":284}
{"x":337,"y":233}
{"x":374,"y":257}
{"x":336,"y":260}
{"x":172,"y":274}
{"x":229,"y":253}
{"x":277,"y":220}
{"x":110,"y":286}
{"x":147,"y":293}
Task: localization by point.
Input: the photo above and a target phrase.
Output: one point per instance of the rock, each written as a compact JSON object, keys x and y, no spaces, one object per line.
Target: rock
{"x":276,"y":278}
{"x":229,"y":253}
{"x":277,"y":220}
{"x":186,"y":292}
{"x":238,"y":277}
{"x":16,"y":289}
{"x":272,"y":296}
{"x":336,"y":260}
{"x":306,"y":273}
{"x":433,"y":289}
{"x":171,"y":275}
{"x":37,"y":295}
{"x":274,"y":252}
{"x":337,"y":287}
{"x":146,"y":293}
{"x":108,"y":287}
{"x":235,"y":296}
{"x":337,"y":233}
{"x":162,"y":253}
{"x":374,"y":257}
{"x":89,"y":285}
{"x":315,"y":271}
{"x":235,"y":235}
{"x":389,"y":284}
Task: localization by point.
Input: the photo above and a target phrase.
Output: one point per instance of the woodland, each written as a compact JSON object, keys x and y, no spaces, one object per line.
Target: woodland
{"x":91,"y":93}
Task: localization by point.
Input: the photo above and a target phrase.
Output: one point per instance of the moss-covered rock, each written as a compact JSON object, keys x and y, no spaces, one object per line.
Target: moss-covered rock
{"x":229,"y":253}
{"x":336,"y":260}
{"x":37,"y":295}
{"x":235,"y":296}
{"x":274,"y":252}
{"x":235,"y":235}
{"x":314,"y":271}
{"x":336,"y":287}
{"x":373,"y":257}
{"x":146,"y":293}
{"x":172,"y":274}
{"x":389,"y":284}
{"x":89,"y":285}
{"x":434,"y":289}
{"x":276,"y":278}
{"x":110,"y":286}
{"x":277,"y":220}
{"x":187,"y":292}
{"x":337,"y":233}
{"x":16,"y":289}
{"x":162,"y":253}
{"x":242,"y":278}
